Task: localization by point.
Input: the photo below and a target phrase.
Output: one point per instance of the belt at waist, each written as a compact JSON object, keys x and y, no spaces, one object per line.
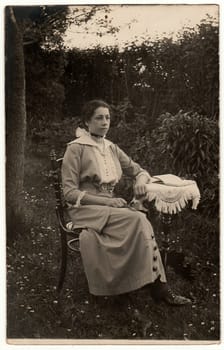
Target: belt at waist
{"x":101,"y":189}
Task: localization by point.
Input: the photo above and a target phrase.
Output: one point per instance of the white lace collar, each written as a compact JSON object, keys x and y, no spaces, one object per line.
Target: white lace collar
{"x":85,"y":139}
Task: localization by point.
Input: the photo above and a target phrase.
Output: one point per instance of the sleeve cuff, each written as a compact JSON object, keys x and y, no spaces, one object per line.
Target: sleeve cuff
{"x":145,"y":173}
{"x":80,"y":197}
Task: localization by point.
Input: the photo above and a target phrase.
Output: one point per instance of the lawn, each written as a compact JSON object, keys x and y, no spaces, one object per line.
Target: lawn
{"x":36,"y":310}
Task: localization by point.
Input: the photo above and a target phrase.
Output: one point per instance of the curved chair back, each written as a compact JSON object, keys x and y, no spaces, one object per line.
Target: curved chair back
{"x":60,"y":208}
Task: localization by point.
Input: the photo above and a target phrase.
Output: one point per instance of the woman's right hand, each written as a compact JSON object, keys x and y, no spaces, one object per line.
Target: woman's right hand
{"x":116,"y":202}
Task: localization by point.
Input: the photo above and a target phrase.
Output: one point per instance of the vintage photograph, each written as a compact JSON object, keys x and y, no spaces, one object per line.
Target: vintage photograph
{"x":112,"y":173}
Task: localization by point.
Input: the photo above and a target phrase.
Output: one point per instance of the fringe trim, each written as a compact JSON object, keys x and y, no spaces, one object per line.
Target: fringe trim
{"x":178,"y":203}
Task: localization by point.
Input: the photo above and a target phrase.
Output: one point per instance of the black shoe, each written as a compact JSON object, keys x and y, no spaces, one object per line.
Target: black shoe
{"x":175,"y":300}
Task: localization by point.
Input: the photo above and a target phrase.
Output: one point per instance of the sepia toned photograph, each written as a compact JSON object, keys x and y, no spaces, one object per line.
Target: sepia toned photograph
{"x":112,"y":116}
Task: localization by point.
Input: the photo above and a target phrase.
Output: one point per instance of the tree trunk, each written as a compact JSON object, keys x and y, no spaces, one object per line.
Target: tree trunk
{"x":15,"y":122}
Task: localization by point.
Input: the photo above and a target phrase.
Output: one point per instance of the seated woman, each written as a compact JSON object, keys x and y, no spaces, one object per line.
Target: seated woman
{"x":118,"y":246}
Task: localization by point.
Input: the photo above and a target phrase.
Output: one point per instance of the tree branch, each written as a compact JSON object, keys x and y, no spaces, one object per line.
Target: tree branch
{"x":29,"y":42}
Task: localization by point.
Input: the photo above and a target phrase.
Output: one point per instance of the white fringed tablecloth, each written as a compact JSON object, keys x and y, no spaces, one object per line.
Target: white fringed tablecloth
{"x":171,"y":193}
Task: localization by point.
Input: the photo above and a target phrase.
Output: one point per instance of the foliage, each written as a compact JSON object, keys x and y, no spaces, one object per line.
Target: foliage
{"x":200,"y":62}
{"x":85,"y":16}
{"x":45,"y":93}
{"x":187,"y":144}
{"x":159,"y":76}
{"x":85,"y":75}
{"x":43,"y":25}
{"x":151,"y":77}
{"x":54,"y":135}
{"x":43,"y":28}
{"x":130,"y":130}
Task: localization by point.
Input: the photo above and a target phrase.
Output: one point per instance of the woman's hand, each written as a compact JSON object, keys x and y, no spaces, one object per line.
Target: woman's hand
{"x":139,"y":190}
{"x":116,"y":202}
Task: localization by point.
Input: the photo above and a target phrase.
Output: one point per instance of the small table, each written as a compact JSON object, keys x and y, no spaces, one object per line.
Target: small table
{"x":170,"y":194}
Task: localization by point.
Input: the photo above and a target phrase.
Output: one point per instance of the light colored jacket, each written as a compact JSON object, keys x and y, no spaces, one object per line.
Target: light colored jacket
{"x":86,"y":168}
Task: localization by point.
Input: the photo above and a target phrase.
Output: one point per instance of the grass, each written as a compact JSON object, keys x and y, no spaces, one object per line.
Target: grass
{"x":36,"y":310}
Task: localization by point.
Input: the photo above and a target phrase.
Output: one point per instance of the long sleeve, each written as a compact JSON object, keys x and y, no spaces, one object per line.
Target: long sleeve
{"x":71,"y":173}
{"x":129,"y":167}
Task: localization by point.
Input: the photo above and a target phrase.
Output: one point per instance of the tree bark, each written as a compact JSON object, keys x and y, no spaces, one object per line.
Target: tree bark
{"x":15,"y":122}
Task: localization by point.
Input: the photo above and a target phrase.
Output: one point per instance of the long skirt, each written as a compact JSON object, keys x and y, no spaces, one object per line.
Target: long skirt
{"x":118,"y":249}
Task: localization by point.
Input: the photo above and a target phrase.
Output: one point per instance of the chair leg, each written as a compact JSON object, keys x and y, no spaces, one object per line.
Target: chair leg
{"x":64,"y":250}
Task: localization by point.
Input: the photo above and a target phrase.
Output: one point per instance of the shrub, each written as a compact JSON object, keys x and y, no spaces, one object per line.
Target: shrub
{"x":187,"y":144}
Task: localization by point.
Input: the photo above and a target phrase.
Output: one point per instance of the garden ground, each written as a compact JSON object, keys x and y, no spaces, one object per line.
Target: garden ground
{"x":36,"y":310}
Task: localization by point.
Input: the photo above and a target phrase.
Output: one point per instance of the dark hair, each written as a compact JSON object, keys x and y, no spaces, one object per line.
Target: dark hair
{"x":90,"y":107}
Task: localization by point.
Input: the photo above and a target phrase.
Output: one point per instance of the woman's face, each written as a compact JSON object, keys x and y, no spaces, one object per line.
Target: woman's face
{"x":100,"y":121}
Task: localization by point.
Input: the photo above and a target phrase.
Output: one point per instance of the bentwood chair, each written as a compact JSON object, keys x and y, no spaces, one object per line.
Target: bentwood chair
{"x":69,"y":237}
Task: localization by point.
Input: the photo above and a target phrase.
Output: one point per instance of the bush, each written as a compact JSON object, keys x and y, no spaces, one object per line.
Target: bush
{"x":187,"y":144}
{"x":53,"y":135}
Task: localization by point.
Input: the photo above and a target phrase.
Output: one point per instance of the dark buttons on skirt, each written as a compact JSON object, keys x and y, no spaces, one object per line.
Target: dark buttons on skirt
{"x":155,"y":248}
{"x":154,"y":258}
{"x":154,"y":268}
